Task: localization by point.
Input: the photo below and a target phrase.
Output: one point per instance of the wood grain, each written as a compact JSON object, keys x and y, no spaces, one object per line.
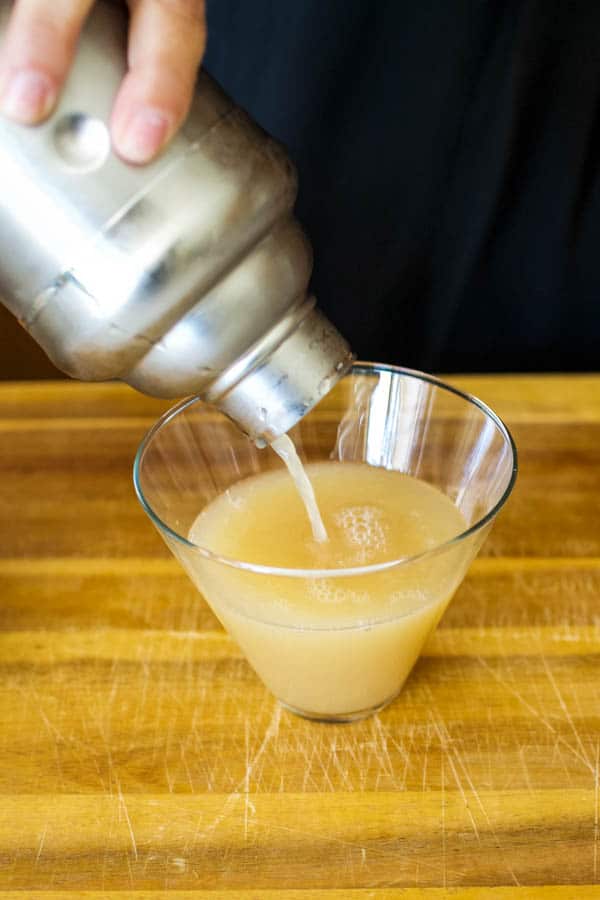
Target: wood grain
{"x":141,"y":758}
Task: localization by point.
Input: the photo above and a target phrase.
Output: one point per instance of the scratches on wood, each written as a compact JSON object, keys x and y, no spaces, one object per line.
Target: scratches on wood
{"x":140,"y":754}
{"x":125,"y":813}
{"x":324,"y":838}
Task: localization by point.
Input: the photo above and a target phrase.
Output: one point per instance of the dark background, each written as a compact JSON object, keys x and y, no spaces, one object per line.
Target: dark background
{"x":448,"y":155}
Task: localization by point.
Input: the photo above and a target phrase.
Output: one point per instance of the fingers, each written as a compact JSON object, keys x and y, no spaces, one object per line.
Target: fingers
{"x":166,"y":45}
{"x":36,"y":54}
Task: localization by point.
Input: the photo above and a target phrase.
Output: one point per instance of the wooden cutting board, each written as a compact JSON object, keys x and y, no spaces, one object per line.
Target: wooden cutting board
{"x":141,"y":757}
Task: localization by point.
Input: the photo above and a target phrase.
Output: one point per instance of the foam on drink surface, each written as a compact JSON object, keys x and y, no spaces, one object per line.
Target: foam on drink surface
{"x":323,"y":642}
{"x":370,"y":516}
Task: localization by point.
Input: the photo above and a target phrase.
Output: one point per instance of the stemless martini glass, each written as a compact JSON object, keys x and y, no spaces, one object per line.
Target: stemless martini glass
{"x":346,"y":660}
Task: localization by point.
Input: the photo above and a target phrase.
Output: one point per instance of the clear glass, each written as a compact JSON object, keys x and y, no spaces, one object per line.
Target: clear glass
{"x":342,"y":661}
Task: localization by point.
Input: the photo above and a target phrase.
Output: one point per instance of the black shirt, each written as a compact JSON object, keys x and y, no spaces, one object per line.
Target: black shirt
{"x":449,"y":161}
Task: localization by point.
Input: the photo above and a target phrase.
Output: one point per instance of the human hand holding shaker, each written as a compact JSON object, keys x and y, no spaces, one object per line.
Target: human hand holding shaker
{"x":188,"y":275}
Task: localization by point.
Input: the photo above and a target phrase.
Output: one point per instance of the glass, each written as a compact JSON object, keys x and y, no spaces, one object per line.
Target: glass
{"x":342,"y":661}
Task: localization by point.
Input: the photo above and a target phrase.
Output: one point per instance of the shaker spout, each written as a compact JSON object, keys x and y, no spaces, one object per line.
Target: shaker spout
{"x":288,"y":382}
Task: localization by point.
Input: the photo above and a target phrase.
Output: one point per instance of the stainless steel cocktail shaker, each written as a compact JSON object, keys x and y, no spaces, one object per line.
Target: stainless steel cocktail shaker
{"x":185,"y":276}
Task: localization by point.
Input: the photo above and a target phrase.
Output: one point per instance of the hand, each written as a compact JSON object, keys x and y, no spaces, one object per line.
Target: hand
{"x":166,"y":45}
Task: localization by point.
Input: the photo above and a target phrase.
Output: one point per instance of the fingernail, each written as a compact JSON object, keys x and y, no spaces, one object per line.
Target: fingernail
{"x":27,"y":96}
{"x":144,"y":135}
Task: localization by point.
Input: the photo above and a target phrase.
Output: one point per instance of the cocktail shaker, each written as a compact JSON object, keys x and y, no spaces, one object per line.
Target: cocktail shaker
{"x":188,"y":275}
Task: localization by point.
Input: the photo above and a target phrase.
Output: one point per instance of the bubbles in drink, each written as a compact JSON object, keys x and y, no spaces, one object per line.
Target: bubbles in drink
{"x":332,"y":591}
{"x":364,"y":530}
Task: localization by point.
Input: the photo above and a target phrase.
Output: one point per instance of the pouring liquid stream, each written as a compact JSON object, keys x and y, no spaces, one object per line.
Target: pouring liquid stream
{"x":285,"y":449}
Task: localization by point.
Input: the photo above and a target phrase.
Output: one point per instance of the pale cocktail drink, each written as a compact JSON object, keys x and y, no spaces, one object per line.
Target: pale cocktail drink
{"x":332,"y":627}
